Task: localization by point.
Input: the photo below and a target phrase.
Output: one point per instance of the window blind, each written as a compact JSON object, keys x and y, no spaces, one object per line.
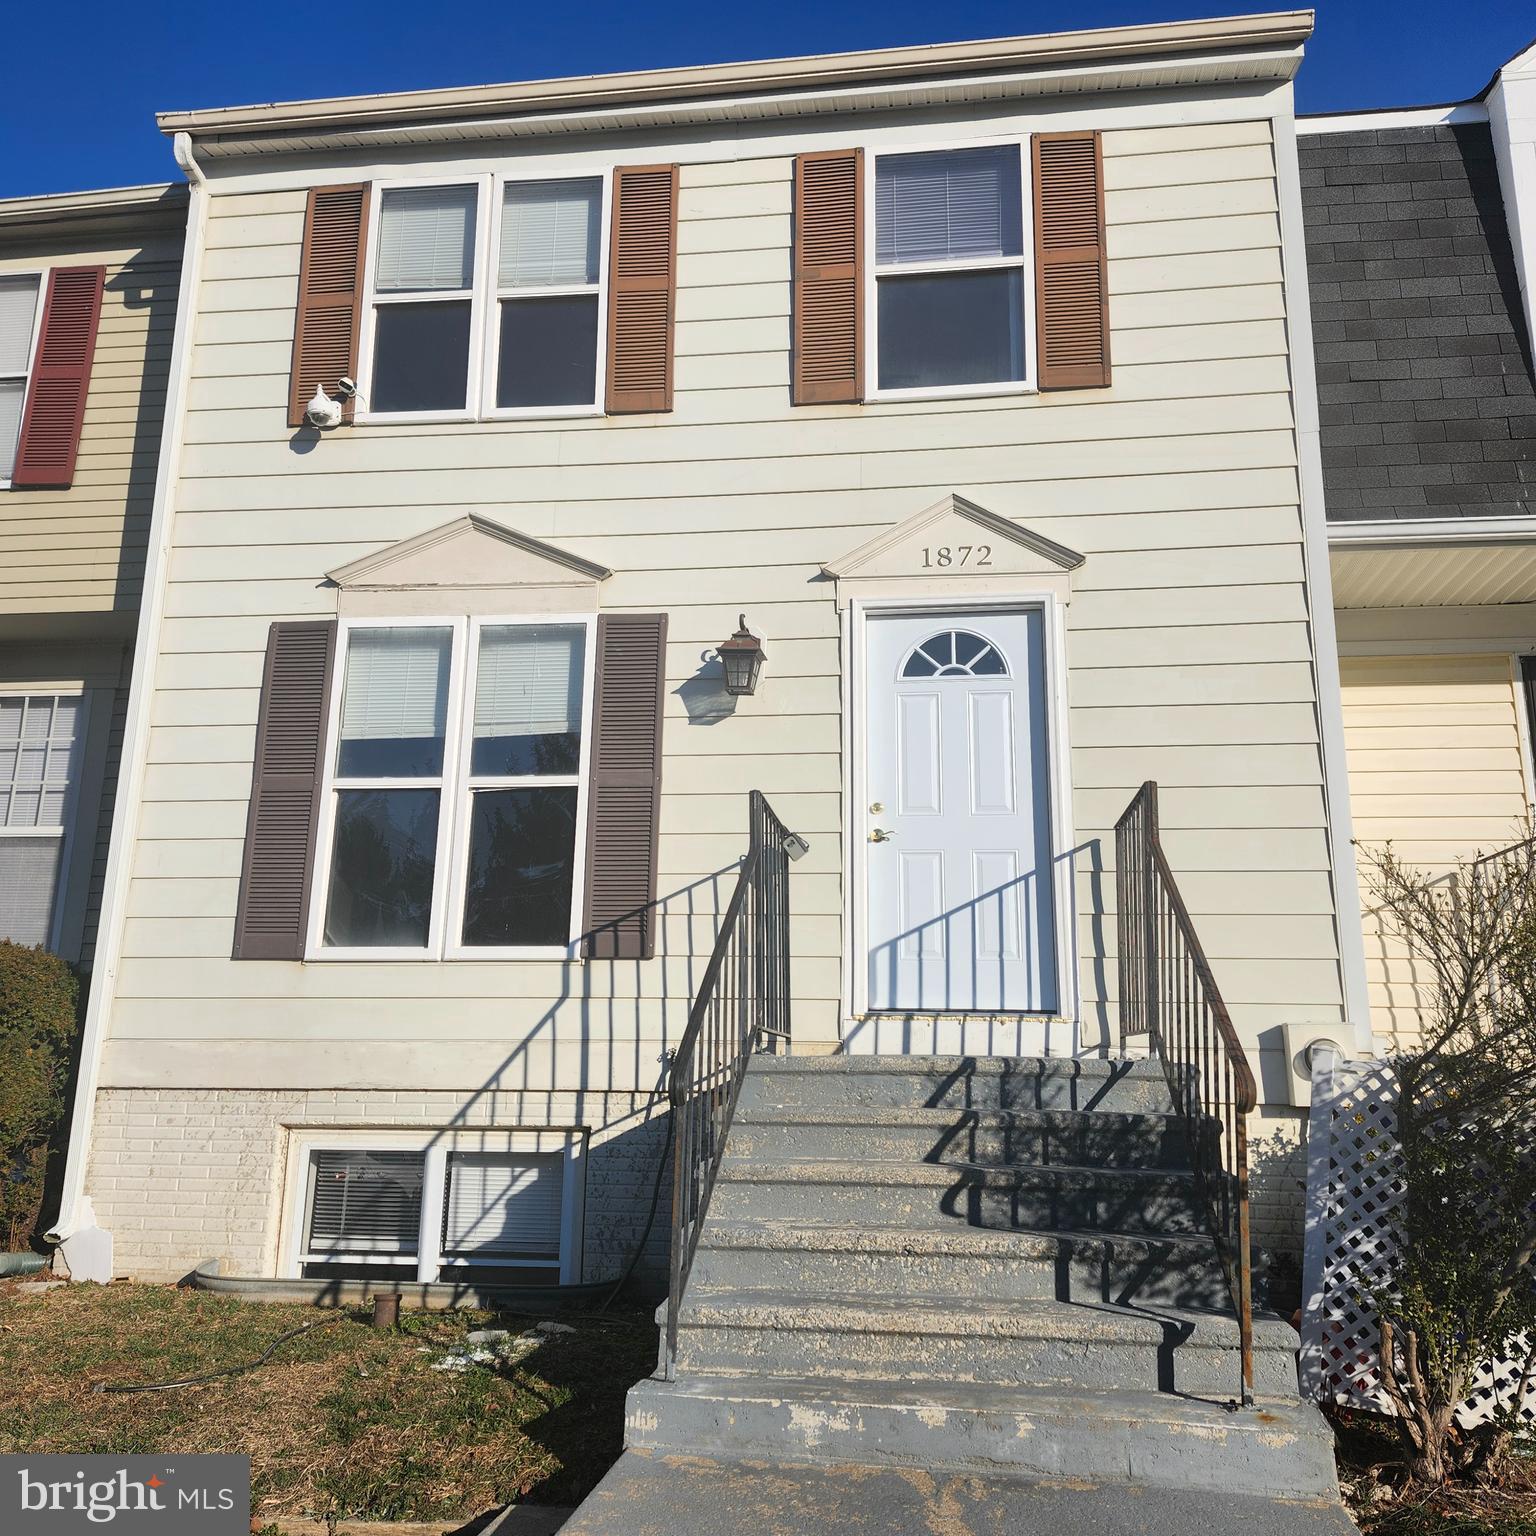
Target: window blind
{"x":501,"y":1206}
{"x":528,"y":680}
{"x":948,"y":205}
{"x":39,"y":755}
{"x":426,"y":239}
{"x":12,"y":392}
{"x":365,"y":1202}
{"x":396,"y":685}
{"x":29,"y":883}
{"x":18,"y":314}
{"x":550,"y":232}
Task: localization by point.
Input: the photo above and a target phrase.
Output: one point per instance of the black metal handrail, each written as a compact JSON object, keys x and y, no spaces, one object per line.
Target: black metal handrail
{"x":742,"y":1007}
{"x":1167,"y":991}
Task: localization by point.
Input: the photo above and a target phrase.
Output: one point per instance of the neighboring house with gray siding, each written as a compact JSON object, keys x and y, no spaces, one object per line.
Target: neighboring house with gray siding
{"x":1421,"y":305}
{"x":977,"y":378}
{"x":88,"y":287}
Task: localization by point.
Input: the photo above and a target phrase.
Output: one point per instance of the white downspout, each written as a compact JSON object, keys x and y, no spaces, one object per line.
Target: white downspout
{"x":87,"y":1249}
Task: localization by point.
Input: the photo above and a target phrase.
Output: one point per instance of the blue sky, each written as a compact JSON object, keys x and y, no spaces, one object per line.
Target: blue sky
{"x":89,"y":120}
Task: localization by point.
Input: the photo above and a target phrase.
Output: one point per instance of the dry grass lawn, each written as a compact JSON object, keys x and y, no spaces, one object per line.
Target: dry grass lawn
{"x":344,"y":1421}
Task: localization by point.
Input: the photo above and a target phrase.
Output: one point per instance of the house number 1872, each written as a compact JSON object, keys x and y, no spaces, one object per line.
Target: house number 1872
{"x":957,"y":554}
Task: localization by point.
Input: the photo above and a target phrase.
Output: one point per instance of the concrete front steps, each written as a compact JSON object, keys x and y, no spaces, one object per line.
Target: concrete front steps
{"x":990,"y":1265}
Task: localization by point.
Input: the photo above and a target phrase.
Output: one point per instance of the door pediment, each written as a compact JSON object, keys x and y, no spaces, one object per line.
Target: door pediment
{"x":954,"y":546}
{"x":472,"y":564}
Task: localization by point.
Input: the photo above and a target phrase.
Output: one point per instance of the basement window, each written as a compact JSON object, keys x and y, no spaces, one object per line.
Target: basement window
{"x":421,"y":1206}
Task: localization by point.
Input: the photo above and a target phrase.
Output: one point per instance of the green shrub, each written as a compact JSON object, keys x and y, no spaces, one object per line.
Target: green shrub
{"x":38,"y":1023}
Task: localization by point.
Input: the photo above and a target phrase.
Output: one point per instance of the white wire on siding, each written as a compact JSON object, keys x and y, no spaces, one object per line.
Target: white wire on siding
{"x":528,"y":680}
{"x":396,"y":684}
{"x":426,"y":239}
{"x":948,"y":205}
{"x":550,"y":233}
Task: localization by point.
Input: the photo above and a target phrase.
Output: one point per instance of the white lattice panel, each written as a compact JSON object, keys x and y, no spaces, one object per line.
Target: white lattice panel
{"x":1354,"y":1187}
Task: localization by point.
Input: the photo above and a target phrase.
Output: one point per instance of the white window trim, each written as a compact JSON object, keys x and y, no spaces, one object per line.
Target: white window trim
{"x":1024,"y":262}
{"x":66,"y":831}
{"x":41,"y":274}
{"x":490,"y":411}
{"x":436,"y":1144}
{"x":485,"y":298}
{"x":454,"y":790}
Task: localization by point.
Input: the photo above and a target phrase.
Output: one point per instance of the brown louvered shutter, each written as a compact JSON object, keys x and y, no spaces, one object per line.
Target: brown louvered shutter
{"x":275,"y":877}
{"x":625,"y":792}
{"x":829,"y":277}
{"x":1071,"y":278}
{"x":642,"y":288}
{"x":61,"y":376}
{"x":325,"y":331}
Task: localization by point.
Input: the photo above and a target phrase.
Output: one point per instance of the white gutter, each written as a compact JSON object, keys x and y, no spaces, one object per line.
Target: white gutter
{"x":87,"y":1250}
{"x":880,"y":65}
{"x":1431,"y":532}
{"x":1319,"y":590}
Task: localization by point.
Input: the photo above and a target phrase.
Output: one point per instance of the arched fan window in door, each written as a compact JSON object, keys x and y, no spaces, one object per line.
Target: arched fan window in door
{"x":955,"y":653}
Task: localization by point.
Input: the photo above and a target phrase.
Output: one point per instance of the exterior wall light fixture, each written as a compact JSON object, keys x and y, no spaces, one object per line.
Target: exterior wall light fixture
{"x":742,"y":658}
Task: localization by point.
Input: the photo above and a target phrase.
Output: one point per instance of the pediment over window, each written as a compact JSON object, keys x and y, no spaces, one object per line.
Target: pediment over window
{"x":470,"y":565}
{"x":954,"y":545}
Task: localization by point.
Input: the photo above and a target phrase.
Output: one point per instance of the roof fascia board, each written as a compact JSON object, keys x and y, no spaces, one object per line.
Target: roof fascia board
{"x":80,"y":210}
{"x":1394,"y":117}
{"x":1276,"y":68}
{"x":884,"y":66}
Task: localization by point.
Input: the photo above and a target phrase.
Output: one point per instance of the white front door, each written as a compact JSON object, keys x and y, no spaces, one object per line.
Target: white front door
{"x":959,"y":890}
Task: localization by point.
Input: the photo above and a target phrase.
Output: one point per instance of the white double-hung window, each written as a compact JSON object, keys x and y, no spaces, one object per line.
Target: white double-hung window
{"x":423,"y":302}
{"x":549,"y":315}
{"x":485,"y":298}
{"x":42,"y":738}
{"x":950,"y":298}
{"x":19,"y":306}
{"x":454,"y":795}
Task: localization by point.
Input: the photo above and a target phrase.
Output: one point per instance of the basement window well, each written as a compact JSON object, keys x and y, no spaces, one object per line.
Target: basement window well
{"x":500,"y":1208}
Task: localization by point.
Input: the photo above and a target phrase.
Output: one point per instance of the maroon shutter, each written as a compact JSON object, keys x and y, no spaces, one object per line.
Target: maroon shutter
{"x":61,"y":375}
{"x":642,"y":288}
{"x":273,"y":912}
{"x":327,"y":325}
{"x":624,"y":809}
{"x":828,"y":277}
{"x":1071,"y":269}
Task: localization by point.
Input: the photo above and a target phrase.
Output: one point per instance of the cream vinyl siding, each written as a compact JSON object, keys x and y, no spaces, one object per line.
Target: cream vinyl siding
{"x":1189,"y":646}
{"x":1436,"y":767}
{"x":82,"y":550}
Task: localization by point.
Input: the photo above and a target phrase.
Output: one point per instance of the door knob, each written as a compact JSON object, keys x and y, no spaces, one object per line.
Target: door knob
{"x":880,"y":835}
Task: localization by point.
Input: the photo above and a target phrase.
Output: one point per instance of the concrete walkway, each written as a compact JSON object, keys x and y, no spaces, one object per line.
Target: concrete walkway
{"x":653,"y":1495}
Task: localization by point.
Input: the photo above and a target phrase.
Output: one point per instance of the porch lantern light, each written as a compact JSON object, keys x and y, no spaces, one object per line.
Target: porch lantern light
{"x":742,"y":657}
